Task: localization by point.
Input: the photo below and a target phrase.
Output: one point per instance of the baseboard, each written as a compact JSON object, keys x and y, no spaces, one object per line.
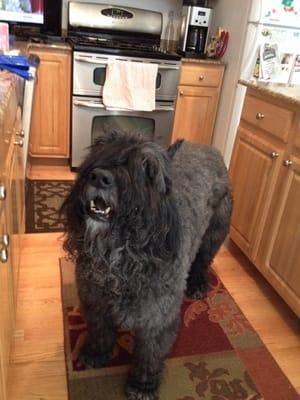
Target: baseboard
{"x":49,"y":161}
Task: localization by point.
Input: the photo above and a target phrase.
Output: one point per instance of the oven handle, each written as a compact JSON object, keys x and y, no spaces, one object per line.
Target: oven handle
{"x":88,"y":104}
{"x":92,"y":60}
{"x":94,"y":104}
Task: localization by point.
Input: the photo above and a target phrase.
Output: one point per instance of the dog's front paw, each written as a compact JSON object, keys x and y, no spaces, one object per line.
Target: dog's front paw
{"x":90,"y":358}
{"x":197,"y":292}
{"x":133,"y":393}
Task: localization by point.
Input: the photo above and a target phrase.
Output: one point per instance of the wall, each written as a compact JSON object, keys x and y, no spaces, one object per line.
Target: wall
{"x":163,"y":6}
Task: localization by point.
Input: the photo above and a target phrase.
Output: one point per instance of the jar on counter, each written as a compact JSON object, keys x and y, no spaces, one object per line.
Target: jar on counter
{"x":170,"y":32}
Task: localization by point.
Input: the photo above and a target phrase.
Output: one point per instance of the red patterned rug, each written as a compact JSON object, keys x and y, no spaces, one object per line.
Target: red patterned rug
{"x":217,"y":354}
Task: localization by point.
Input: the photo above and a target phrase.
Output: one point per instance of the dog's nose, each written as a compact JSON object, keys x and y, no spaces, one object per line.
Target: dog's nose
{"x":101,"y":178}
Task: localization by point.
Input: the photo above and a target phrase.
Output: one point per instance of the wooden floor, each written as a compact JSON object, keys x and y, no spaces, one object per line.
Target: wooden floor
{"x":38,"y":370}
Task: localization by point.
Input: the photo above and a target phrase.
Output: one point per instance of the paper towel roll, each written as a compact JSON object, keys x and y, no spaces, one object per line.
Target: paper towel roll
{"x":4,"y":37}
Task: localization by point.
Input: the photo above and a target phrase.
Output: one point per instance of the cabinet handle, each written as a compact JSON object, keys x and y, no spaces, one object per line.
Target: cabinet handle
{"x":274,"y":154}
{"x":19,"y":142}
{"x":2,"y":192}
{"x":4,"y":255}
{"x":287,"y":163}
{"x":5,"y":240}
{"x":181,"y":93}
{"x":21,"y":133}
{"x":260,"y":115}
{"x":201,"y":77}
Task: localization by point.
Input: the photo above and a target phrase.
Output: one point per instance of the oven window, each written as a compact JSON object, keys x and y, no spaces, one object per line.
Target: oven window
{"x":100,"y":74}
{"x":123,"y":123}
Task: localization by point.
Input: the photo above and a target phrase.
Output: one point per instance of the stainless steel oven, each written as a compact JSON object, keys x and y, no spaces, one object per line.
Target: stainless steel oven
{"x":99,"y":33}
{"x":91,"y":120}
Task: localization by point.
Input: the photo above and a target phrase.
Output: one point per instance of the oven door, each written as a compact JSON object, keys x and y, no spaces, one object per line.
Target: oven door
{"x":90,"y":119}
{"x":89,"y":71}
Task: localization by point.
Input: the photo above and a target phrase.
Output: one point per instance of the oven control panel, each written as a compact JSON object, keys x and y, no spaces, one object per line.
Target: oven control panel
{"x":113,"y":18}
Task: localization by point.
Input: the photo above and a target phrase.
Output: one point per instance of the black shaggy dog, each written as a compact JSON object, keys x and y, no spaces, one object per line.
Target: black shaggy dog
{"x":143,"y":224}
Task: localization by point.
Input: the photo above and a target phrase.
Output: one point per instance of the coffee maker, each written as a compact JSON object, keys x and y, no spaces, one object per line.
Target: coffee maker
{"x":195,"y":31}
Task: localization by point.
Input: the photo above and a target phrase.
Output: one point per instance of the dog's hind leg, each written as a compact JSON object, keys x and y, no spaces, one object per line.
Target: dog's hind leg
{"x":101,"y":337}
{"x":197,"y":282}
{"x":150,"y":351}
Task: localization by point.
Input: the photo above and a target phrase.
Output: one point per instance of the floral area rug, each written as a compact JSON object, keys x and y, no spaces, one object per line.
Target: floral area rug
{"x":217,"y":354}
{"x":43,"y":200}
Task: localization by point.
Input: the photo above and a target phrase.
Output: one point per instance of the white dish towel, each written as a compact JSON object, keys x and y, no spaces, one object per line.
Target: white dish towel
{"x":130,"y":85}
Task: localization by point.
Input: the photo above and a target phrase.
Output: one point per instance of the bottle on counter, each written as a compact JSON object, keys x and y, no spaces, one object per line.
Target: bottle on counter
{"x":170,"y":32}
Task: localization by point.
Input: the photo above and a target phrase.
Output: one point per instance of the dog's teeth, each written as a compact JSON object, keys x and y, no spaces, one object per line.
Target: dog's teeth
{"x":98,"y":211}
{"x":107,"y":210}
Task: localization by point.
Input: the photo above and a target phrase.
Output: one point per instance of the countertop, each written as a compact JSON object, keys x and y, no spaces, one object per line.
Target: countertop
{"x":7,"y":83}
{"x":11,"y":93}
{"x":23,"y":46}
{"x":287,"y":93}
{"x":202,"y":61}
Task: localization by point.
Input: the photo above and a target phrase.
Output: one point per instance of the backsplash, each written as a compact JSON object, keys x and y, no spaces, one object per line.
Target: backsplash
{"x":164,"y":7}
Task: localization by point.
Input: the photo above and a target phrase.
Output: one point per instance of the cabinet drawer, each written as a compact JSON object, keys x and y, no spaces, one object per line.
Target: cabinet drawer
{"x":271,"y":118}
{"x":199,"y":75}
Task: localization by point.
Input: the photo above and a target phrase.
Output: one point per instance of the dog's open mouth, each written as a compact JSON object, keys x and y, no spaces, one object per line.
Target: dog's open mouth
{"x":100,"y":208}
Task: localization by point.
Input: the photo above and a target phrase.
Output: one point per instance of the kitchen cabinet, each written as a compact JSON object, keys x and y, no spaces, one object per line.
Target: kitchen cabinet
{"x":6,"y":304}
{"x":265,"y":175}
{"x":11,"y":224}
{"x":197,"y":100}
{"x":50,"y":124}
{"x":253,"y":169}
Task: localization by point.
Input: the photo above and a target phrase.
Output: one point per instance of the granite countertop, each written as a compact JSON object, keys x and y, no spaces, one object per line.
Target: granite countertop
{"x":23,"y":46}
{"x":9,"y":85}
{"x":8,"y":82}
{"x":54,"y":45}
{"x":203,"y":61}
{"x":287,"y":93}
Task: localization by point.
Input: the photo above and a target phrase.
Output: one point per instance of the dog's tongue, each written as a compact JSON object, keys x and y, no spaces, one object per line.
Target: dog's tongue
{"x":100,"y":204}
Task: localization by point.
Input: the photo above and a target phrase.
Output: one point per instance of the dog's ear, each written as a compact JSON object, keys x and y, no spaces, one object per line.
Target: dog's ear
{"x":156,"y":173}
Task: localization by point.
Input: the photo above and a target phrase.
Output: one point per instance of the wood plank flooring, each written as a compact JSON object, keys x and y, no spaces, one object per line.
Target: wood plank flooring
{"x":38,"y":370}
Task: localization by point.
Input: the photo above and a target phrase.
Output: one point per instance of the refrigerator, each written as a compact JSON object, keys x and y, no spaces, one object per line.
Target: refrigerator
{"x":259,"y":30}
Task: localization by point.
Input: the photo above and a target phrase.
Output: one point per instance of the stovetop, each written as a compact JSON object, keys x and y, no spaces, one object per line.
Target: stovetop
{"x":103,"y":45}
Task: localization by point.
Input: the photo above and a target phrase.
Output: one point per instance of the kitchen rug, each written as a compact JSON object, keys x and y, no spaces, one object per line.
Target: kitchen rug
{"x":43,"y":200}
{"x":217,"y":354}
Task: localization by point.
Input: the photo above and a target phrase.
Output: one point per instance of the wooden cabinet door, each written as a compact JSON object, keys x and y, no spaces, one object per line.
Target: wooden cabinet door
{"x":6,"y":305}
{"x":282,"y":236}
{"x":51,"y":108}
{"x":13,"y":214}
{"x":18,"y":173}
{"x":253,"y":170}
{"x":195,"y":114}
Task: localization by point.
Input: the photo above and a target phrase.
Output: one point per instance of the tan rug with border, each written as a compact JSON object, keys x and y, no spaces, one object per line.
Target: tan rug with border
{"x":43,"y":201}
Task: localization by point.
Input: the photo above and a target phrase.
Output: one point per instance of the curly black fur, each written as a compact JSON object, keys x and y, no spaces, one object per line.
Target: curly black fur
{"x":136,"y":219}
